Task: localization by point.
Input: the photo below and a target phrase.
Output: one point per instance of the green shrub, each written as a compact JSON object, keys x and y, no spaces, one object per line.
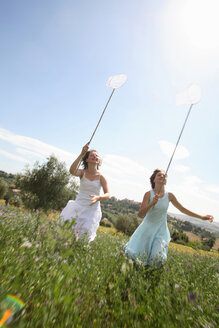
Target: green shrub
{"x":48,"y":186}
{"x":126,"y":223}
{"x":3,"y":188}
{"x":16,"y":201}
{"x":106,"y":223}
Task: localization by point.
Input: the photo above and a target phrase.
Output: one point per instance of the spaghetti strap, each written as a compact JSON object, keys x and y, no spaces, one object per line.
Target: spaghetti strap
{"x":86,"y":217}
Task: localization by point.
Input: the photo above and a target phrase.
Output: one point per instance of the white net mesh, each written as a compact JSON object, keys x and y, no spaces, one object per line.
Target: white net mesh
{"x":191,"y":95}
{"x":116,"y":81}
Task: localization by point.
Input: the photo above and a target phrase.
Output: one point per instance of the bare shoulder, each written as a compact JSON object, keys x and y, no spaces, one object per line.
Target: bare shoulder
{"x":102,"y":177}
{"x":171,"y":196}
{"x":146,"y":196}
{"x":148,"y":193}
{"x":104,"y":184}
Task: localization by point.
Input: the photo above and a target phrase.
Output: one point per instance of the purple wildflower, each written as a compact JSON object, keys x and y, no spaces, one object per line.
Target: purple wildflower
{"x":191,"y":298}
{"x":177,"y":287}
{"x":133,"y":301}
{"x":127,"y":292}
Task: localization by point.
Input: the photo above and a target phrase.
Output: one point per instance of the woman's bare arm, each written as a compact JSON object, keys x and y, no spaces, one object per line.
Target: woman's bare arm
{"x":184,"y":210}
{"x":73,"y":169}
{"x":145,"y":205}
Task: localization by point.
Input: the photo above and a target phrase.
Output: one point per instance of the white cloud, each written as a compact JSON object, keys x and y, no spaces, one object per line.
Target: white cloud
{"x":181,"y":168}
{"x":167,"y":148}
{"x":126,"y":177}
{"x":192,"y":180}
{"x":193,"y":193}
{"x":12,"y":156}
{"x":28,"y":152}
{"x":214,"y":189}
{"x":124,"y":165}
{"x":39,"y":148}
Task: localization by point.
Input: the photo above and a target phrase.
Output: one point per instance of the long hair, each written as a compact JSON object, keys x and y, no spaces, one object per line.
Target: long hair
{"x":85,"y":157}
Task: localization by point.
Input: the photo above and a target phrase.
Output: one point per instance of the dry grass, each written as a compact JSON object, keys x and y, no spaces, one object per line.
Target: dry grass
{"x":192,"y":236}
{"x":216,"y":245}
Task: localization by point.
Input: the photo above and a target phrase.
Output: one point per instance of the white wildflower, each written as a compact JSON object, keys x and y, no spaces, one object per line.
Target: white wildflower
{"x":26,"y":244}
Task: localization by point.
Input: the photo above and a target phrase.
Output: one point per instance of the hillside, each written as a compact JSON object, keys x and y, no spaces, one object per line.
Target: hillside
{"x":212,"y":227}
{"x":113,"y":207}
{"x":9,"y":177}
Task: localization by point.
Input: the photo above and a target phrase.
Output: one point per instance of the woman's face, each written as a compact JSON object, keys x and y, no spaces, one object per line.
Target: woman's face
{"x":160,"y":178}
{"x":93,"y":157}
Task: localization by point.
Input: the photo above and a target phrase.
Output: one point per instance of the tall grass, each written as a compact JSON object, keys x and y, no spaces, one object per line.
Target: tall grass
{"x":68,"y":283}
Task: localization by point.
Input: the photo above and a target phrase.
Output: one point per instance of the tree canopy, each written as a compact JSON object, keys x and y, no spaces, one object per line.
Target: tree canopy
{"x":3,"y":187}
{"x":47,"y":186}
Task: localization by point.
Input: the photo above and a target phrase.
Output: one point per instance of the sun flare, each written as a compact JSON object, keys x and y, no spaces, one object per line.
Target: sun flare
{"x":189,"y":31}
{"x":199,"y":20}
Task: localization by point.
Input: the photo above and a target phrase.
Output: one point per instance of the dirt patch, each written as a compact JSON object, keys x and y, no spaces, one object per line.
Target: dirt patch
{"x":192,"y":236}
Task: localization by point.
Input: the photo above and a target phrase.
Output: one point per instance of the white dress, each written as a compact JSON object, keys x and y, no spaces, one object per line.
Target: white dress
{"x":87,"y":217}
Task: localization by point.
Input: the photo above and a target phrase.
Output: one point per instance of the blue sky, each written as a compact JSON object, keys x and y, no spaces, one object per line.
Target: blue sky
{"x":56,"y":57}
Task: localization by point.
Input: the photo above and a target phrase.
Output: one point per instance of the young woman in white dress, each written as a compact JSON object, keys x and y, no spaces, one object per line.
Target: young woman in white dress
{"x":85,"y":209}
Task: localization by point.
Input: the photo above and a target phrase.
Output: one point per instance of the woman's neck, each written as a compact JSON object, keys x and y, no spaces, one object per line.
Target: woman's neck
{"x":159,"y":189}
{"x":92,"y":169}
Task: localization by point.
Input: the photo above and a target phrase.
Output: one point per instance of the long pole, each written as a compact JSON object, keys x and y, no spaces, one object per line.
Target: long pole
{"x":178,"y":139}
{"x":101,"y":116}
{"x":168,"y":166}
{"x":97,"y":124}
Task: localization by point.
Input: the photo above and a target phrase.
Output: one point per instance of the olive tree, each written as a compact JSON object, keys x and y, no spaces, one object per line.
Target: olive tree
{"x":47,"y":186}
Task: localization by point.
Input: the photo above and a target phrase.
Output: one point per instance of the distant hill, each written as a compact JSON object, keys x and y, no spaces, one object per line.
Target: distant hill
{"x":112,"y":207}
{"x":212,"y":227}
{"x":9,"y":177}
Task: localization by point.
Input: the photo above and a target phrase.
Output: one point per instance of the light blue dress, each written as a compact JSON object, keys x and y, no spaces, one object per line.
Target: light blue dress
{"x":149,"y":242}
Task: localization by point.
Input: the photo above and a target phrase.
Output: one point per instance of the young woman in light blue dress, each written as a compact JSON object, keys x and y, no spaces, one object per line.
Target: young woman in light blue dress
{"x":85,"y":209}
{"x":149,"y":243}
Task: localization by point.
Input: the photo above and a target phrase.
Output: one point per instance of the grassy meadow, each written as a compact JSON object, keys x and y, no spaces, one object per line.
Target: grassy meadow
{"x":67,"y":283}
